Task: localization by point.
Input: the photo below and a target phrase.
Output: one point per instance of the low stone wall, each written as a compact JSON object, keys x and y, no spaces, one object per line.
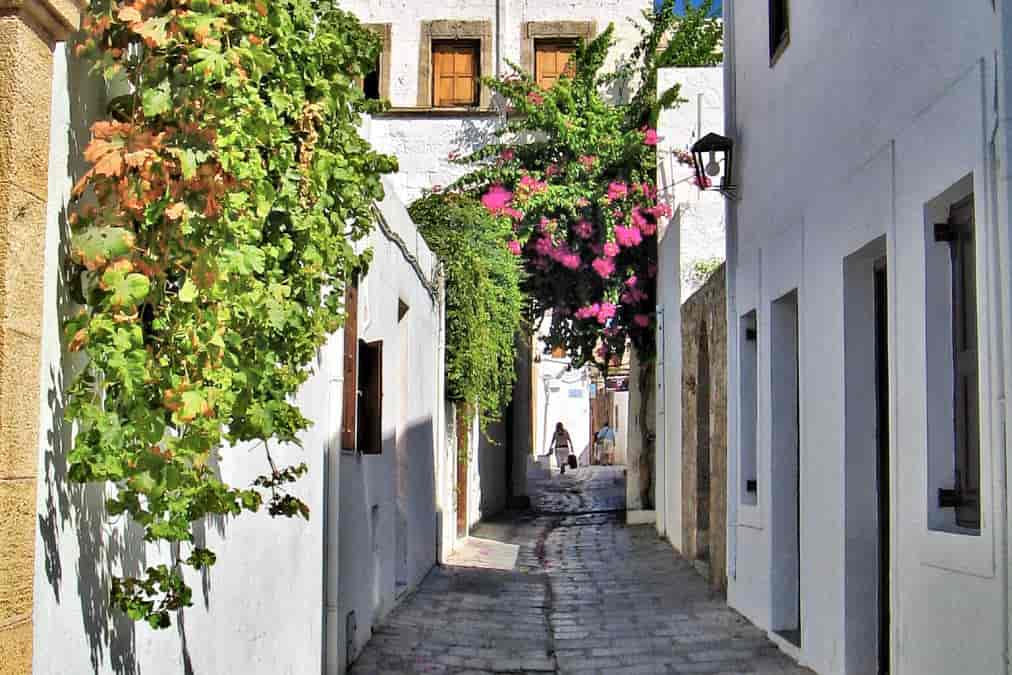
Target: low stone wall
{"x":704,"y":429}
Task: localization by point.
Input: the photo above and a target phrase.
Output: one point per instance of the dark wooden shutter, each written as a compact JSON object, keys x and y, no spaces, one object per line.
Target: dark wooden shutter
{"x":455,"y":71}
{"x":779,"y":27}
{"x":370,"y":397}
{"x":349,"y":404}
{"x":965,"y":365}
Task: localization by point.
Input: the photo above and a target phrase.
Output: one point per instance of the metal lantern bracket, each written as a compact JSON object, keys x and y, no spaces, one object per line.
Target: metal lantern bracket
{"x":714,"y":144}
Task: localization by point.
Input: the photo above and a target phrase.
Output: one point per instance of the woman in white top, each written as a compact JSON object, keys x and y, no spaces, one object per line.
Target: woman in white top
{"x":562,"y":444}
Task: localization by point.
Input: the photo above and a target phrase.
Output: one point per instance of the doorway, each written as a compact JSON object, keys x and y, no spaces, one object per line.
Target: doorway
{"x":866,"y":461}
{"x":882,"y":450}
{"x":703,"y":446}
{"x":785,"y":495}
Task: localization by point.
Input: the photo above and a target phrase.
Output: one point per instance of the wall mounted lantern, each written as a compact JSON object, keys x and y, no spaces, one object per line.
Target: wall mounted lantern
{"x":713,"y":156}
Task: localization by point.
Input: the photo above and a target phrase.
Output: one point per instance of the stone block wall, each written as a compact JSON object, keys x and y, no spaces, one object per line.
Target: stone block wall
{"x":704,"y":454}
{"x":29,"y":30}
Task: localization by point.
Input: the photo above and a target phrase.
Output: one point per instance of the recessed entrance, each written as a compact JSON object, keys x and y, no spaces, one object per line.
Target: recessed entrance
{"x":785,"y":493}
{"x":866,"y":472}
{"x":703,"y":446}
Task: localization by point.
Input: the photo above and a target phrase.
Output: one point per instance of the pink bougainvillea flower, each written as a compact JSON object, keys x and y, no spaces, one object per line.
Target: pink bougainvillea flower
{"x":604,"y":267}
{"x":639,"y":220}
{"x":583,"y":229}
{"x":641,"y":320}
{"x":437,"y":188}
{"x":514,"y":246}
{"x":543,"y":246}
{"x":661,"y":210}
{"x":532,"y":185}
{"x":644,"y":224}
{"x":627,"y":237}
{"x":582,"y":202}
{"x":617,"y":190}
{"x":631,"y":281}
{"x":497,"y":198}
{"x":590,"y":311}
{"x":649,"y":137}
{"x":553,"y":170}
{"x":513,"y":213}
{"x":535,"y":98}
{"x":570,"y":261}
{"x":588,"y":161}
{"x":507,"y":155}
{"x":606,"y":312}
{"x":611,"y":249}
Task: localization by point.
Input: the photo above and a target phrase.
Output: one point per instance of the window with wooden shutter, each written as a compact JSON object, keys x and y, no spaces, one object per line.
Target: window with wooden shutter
{"x":552,"y":60}
{"x":455,"y":74}
{"x":958,"y":232}
{"x":780,"y":28}
{"x":349,"y":403}
{"x":370,"y":397}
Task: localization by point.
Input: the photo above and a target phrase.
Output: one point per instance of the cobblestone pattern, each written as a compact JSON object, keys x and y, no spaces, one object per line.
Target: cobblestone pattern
{"x":588,"y":489}
{"x":580,"y":593}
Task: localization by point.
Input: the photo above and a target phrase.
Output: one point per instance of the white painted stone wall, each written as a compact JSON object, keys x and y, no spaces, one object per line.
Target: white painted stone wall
{"x":423,"y":142}
{"x":261,"y":608}
{"x":858,"y":135}
{"x":701,"y":213}
{"x":693,"y":237}
{"x":388,"y":518}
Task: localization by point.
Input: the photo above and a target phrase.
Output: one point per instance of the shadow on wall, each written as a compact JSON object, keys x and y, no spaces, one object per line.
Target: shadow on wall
{"x":70,"y":509}
{"x":374,"y":505}
{"x":473,"y":134}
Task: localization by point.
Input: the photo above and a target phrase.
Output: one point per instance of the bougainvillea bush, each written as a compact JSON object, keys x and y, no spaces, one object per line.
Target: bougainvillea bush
{"x":573,"y":172}
{"x":212,"y":239}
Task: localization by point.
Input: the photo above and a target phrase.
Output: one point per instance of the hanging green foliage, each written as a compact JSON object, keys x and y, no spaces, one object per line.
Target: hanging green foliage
{"x":483,"y":299}
{"x":212,"y":238}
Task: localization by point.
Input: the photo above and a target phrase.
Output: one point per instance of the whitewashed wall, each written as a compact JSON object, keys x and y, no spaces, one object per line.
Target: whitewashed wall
{"x":260,"y":609}
{"x":694,"y":235}
{"x":269,"y":571}
{"x":423,"y":142}
{"x":701,"y":213}
{"x":872,"y":112}
{"x":389,"y":524}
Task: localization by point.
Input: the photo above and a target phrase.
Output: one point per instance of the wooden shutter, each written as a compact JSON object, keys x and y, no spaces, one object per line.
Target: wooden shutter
{"x":552,"y":60}
{"x":779,"y":26}
{"x":964,"y":336}
{"x":349,"y":404}
{"x":455,"y":70}
{"x":370,"y":397}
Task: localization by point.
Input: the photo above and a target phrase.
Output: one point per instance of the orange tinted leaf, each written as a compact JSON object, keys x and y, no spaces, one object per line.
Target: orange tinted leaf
{"x":110,"y":165}
{"x":175,"y":212}
{"x":129,"y":14}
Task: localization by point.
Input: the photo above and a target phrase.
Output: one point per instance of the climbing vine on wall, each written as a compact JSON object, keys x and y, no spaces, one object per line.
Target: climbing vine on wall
{"x":483,"y":299}
{"x":211,"y":239}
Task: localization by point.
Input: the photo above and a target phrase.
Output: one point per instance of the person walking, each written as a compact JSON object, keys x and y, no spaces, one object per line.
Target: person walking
{"x":605,"y":444}
{"x":562,"y":444}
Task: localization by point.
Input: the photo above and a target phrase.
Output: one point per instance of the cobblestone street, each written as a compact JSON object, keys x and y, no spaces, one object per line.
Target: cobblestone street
{"x":568,"y":588}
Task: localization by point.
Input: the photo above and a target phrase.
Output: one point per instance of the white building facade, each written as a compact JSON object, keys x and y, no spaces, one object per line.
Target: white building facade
{"x":869,"y":331}
{"x":422,"y":129}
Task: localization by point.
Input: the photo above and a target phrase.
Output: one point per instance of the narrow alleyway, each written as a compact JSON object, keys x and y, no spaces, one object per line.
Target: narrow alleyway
{"x":568,"y":588}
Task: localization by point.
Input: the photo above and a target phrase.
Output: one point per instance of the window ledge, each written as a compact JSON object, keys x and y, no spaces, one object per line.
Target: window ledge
{"x":429,"y":111}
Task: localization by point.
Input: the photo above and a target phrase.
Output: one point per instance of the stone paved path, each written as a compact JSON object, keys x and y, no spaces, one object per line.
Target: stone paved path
{"x":547,"y":591}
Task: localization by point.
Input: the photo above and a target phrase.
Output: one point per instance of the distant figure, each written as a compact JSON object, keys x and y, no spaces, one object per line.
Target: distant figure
{"x":562,"y":444}
{"x":605,"y":444}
